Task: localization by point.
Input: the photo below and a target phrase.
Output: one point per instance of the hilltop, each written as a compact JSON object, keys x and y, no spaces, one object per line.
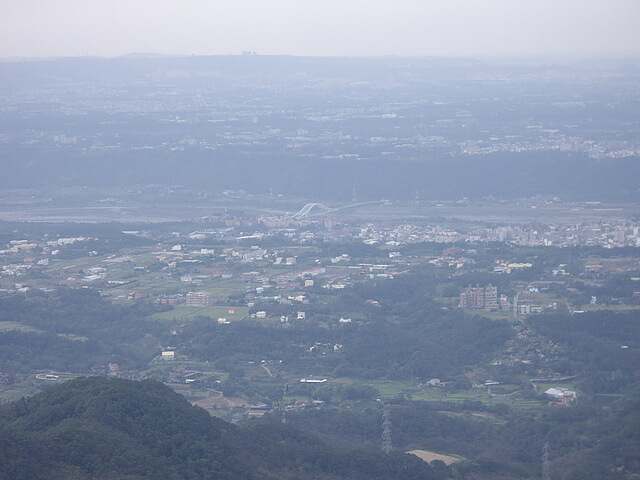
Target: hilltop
{"x":96,"y":428}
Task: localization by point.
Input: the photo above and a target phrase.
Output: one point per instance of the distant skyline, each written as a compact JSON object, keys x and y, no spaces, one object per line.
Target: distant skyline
{"x":495,"y":28}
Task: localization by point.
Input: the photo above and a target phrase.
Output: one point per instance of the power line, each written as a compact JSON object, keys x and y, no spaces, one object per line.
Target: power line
{"x":386,"y":428}
{"x":546,"y":462}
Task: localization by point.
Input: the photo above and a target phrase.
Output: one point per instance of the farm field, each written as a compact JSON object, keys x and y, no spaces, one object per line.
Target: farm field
{"x":431,"y":456}
{"x":182,"y":312}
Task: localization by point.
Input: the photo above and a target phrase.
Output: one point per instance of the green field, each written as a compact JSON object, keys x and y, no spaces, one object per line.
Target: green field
{"x":163,"y":367}
{"x":182,"y":312}
{"x":492,"y":315}
{"x":390,"y":389}
{"x":151,"y":284}
{"x":614,"y":308}
{"x":223,"y":288}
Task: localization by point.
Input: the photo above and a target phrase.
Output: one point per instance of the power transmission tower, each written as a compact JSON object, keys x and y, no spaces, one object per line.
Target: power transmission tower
{"x":546,"y":462}
{"x":386,"y":429}
{"x":284,"y":416}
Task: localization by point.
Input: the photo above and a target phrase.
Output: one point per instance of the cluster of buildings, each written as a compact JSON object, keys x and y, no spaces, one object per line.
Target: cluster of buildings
{"x":480,"y":298}
{"x":199,"y":299}
{"x":282,"y":273}
{"x":269,"y":122}
{"x":608,"y":235}
{"x":550,"y":141}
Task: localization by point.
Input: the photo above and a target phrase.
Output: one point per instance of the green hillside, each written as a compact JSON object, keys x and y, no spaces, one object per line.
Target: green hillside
{"x":94,"y":428}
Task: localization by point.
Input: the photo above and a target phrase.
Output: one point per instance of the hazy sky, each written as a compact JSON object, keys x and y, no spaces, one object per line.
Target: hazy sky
{"x":320,"y":27}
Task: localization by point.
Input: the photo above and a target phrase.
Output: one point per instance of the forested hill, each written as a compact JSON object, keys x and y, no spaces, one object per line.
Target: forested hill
{"x":94,"y":428}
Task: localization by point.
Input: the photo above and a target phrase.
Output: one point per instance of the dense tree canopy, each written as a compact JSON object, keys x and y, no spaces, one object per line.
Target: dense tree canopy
{"x":96,"y":428}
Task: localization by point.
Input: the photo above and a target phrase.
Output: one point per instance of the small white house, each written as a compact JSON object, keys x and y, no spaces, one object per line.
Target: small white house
{"x":169,"y":355}
{"x":313,"y":380}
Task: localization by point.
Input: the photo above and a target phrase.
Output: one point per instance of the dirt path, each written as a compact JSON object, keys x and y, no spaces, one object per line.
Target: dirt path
{"x":431,"y":456}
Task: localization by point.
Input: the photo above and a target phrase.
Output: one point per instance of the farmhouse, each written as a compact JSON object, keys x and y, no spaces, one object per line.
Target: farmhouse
{"x":560,"y":394}
{"x":313,"y":380}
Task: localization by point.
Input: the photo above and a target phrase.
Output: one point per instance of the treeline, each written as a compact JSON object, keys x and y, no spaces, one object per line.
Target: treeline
{"x":604,"y":348}
{"x":502,"y":175}
{"x":92,"y":428}
{"x":407,"y":336}
{"x":75,"y":330}
{"x":494,"y":441}
{"x":418,"y":352}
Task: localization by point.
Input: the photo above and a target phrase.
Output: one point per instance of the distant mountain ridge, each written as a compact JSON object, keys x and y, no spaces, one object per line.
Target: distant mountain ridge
{"x":389,"y":127}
